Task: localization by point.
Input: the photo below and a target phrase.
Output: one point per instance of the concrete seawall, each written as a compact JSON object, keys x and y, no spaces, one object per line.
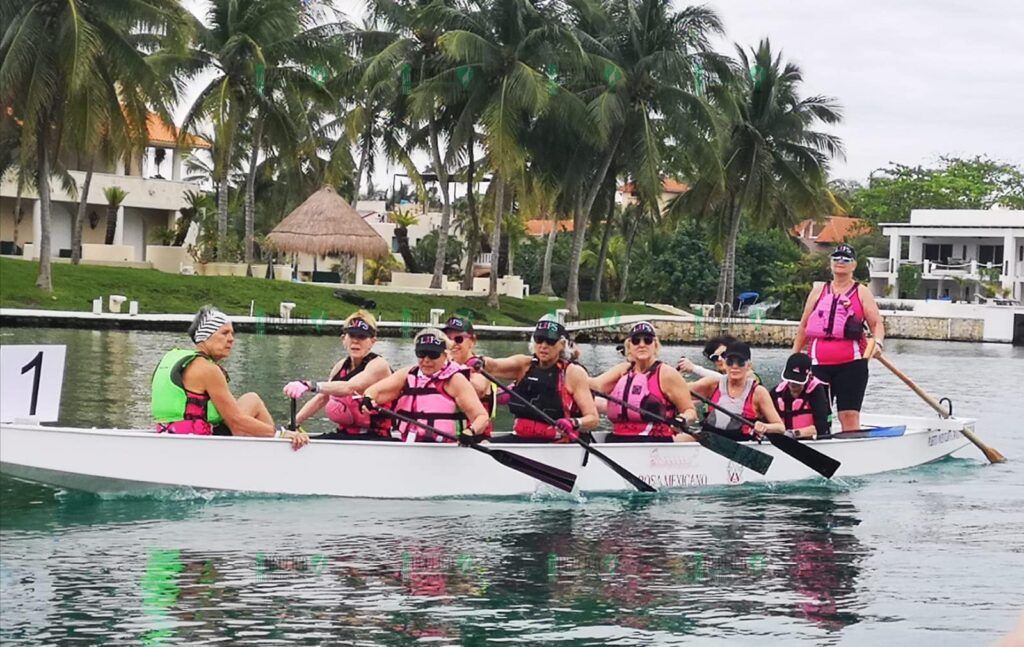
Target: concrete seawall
{"x":671,"y":328}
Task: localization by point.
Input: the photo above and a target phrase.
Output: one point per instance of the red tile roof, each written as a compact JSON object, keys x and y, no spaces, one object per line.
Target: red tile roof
{"x":542,"y":226}
{"x":668,"y":185}
{"x":159,"y":131}
{"x":835,"y":229}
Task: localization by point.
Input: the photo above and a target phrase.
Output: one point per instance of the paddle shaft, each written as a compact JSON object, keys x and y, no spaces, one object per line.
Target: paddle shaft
{"x":294,"y":405}
{"x":634,"y":480}
{"x":991,"y":454}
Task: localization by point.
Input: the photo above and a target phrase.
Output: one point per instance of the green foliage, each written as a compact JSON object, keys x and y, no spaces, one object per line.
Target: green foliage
{"x":530,"y":261}
{"x":792,"y":282}
{"x":676,"y":268}
{"x":908,"y":279}
{"x":955,"y":183}
{"x":157,"y":292}
{"x":426,"y":250}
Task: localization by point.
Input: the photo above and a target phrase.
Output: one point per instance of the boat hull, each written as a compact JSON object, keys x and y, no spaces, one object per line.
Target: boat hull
{"x":100,"y":460}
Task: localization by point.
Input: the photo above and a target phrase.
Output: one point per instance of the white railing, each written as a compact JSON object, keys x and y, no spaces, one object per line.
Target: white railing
{"x":878,"y":265}
{"x":484,"y":259}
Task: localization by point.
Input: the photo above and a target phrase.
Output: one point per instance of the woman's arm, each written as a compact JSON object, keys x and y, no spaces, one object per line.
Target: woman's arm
{"x":705,"y":386}
{"x":801,"y":331}
{"x":770,"y":422}
{"x":678,"y":393}
{"x":465,"y":396}
{"x":210,"y":379}
{"x":578,"y":383}
{"x":508,"y":368}
{"x":874,"y":320}
{"x":388,"y":389}
{"x":821,"y":408}
{"x":308,"y":410}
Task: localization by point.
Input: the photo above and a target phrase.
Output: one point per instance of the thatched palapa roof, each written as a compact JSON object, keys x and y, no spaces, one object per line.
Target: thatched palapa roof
{"x":324,"y":225}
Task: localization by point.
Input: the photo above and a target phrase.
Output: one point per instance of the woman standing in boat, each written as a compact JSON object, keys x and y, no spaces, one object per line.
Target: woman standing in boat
{"x":459,"y":331}
{"x":832,"y":328}
{"x":190,"y":393}
{"x":350,"y":376}
{"x":739,"y":393}
{"x":550,"y":382}
{"x":645,"y":382}
{"x":435,"y":392}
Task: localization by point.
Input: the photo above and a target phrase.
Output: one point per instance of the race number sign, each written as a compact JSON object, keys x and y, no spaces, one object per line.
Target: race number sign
{"x":30,"y":382}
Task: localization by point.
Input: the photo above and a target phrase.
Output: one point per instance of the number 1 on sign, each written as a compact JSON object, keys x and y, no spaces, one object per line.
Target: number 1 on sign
{"x":36,"y":363}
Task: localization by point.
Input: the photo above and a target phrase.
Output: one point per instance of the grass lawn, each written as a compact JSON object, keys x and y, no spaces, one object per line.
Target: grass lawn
{"x":74,"y":288}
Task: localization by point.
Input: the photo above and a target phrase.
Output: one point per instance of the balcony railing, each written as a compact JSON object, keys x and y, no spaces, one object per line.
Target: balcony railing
{"x":484,"y":259}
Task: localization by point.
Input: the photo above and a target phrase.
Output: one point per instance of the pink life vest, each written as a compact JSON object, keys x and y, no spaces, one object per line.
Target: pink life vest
{"x":345,"y":411}
{"x":742,"y":405}
{"x":796,"y":412}
{"x":643,"y":393}
{"x":827,"y":323}
{"x":424,"y":398}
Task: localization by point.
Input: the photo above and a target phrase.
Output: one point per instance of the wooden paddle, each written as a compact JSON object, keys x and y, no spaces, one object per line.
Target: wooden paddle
{"x":545,"y":473}
{"x":633,"y":480}
{"x":991,"y":454}
{"x":812,"y":458}
{"x":727,"y":447}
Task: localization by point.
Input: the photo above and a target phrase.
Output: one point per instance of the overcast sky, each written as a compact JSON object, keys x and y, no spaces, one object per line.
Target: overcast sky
{"x":916,"y":78}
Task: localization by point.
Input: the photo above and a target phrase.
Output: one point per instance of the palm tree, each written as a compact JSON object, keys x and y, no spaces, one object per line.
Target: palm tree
{"x":772,"y":166}
{"x":404,"y":220}
{"x":51,"y":51}
{"x":115,"y":196}
{"x":641,"y":53}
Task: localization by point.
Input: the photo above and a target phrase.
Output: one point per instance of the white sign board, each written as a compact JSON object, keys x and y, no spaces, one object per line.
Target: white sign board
{"x":30,"y":382}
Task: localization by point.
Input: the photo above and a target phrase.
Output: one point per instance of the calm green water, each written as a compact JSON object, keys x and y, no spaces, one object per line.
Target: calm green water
{"x":933,"y":555}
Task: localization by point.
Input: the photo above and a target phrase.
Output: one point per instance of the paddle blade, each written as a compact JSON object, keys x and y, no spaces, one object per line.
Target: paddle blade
{"x":545,"y":473}
{"x":744,"y":455}
{"x":812,"y":458}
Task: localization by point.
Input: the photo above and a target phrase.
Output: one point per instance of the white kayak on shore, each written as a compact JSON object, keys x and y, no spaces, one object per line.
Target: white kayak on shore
{"x":111,"y":460}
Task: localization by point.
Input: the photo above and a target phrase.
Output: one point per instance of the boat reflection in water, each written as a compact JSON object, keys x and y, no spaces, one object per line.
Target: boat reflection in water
{"x":313,"y":570}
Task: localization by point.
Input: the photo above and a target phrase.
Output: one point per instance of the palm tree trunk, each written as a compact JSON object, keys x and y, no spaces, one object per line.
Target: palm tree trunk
{"x":17,"y":209}
{"x":222,"y":219}
{"x":634,"y":227}
{"x":473,"y":235}
{"x":44,"y":281}
{"x":499,"y":213}
{"x":582,"y":216}
{"x":605,"y":239}
{"x":83,"y":204}
{"x":440,"y":256}
{"x":549,"y":253}
{"x":402,"y":236}
{"x":364,"y":158}
{"x":730,"y":255}
{"x":250,"y":196}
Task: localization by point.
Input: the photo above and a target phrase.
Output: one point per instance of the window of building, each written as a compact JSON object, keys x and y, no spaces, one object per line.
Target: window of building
{"x":938,"y":253}
{"x":394,"y":244}
{"x":990,"y":254}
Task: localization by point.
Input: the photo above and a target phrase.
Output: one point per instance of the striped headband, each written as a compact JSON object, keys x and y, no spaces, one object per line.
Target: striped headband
{"x":210,"y":321}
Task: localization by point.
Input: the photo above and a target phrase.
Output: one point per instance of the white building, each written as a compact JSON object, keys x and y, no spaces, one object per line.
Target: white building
{"x":152,"y":203}
{"x":959,"y":253}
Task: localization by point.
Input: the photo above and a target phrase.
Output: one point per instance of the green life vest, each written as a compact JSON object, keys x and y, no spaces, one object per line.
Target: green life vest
{"x":168,"y":391}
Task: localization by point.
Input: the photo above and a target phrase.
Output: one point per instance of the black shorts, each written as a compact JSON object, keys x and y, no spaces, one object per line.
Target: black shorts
{"x":847,"y":382}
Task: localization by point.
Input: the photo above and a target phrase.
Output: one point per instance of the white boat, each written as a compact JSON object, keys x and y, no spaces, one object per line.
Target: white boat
{"x":112,"y":460}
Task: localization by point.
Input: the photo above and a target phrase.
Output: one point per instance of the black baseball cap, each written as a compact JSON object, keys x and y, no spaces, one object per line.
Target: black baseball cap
{"x":549,"y":329}
{"x":738,"y":349}
{"x":844,"y":251}
{"x":458,"y":324}
{"x":430,"y":341}
{"x":359,"y":326}
{"x":643,"y":328}
{"x":798,"y":368}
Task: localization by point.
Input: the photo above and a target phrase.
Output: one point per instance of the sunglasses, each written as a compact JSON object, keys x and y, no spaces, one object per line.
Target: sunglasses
{"x":646,"y":339}
{"x":458,"y":339}
{"x":358,"y":335}
{"x":842,"y":260}
{"x":432,"y":354}
{"x":540,"y":339}
{"x":735,"y":361}
{"x":714,"y":357}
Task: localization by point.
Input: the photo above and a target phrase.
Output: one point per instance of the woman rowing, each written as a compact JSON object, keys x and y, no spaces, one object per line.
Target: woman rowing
{"x":555,"y":388}
{"x":350,"y":376}
{"x":644,"y":382}
{"x":190,"y":393}
{"x":435,"y":392}
{"x":832,"y":327}
{"x":802,"y":399}
{"x":462,"y":338}
{"x":738,"y":393}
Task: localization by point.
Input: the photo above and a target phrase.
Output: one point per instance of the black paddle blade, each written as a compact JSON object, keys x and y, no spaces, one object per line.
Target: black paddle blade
{"x":812,"y":458}
{"x":633,"y":480}
{"x":737,"y":453}
{"x":545,"y":473}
